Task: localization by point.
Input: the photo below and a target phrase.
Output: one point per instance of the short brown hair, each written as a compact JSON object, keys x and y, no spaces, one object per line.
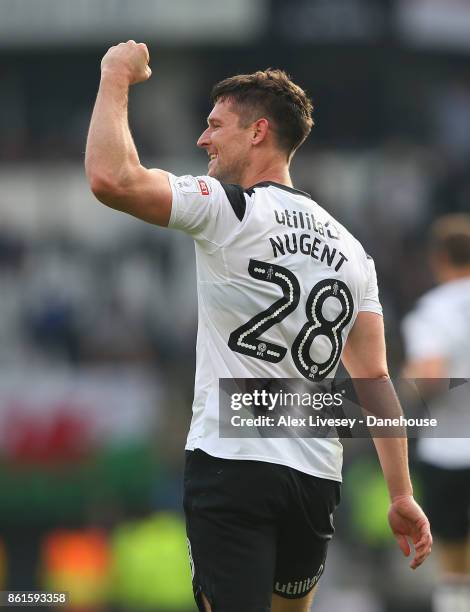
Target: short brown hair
{"x":270,"y":93}
{"x":450,"y":234}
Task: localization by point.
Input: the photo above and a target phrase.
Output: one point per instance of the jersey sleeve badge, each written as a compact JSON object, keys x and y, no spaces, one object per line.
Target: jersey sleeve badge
{"x":191,"y":184}
{"x":204,"y":187}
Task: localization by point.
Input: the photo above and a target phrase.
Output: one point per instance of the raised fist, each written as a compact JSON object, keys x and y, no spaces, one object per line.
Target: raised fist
{"x":130,"y":60}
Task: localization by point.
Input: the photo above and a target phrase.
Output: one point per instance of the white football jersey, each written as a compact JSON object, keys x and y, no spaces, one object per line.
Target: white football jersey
{"x":280,"y":283}
{"x":439,"y":326}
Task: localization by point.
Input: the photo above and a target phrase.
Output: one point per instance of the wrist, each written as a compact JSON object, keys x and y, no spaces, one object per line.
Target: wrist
{"x":401,"y":496}
{"x":115,"y":78}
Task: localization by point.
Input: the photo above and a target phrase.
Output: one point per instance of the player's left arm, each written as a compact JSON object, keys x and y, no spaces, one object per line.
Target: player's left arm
{"x":364,"y":357}
{"x":114,"y":172}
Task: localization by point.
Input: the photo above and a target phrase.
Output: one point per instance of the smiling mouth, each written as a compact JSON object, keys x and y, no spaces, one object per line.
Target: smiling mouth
{"x":212,"y":156}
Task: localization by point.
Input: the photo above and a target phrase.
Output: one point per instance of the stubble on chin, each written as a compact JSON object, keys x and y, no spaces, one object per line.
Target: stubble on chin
{"x":231,"y":175}
{"x":220,"y":175}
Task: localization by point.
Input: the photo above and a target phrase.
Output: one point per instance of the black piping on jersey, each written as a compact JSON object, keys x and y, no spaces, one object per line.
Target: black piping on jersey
{"x":250,"y":190}
{"x":236,"y":197}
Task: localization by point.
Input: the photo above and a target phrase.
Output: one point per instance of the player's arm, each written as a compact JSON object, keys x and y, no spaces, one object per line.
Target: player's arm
{"x":364,"y":357}
{"x":114,"y":172}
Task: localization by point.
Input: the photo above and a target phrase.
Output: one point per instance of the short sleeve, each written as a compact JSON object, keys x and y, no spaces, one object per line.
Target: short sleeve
{"x":370,"y":301}
{"x":205,"y":208}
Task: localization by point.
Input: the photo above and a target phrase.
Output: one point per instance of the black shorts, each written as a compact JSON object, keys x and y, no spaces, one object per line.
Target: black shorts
{"x":446,"y":501}
{"x":255,"y":528}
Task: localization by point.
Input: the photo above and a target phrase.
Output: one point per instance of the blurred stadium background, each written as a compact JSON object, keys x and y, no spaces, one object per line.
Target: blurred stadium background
{"x":98,"y":310}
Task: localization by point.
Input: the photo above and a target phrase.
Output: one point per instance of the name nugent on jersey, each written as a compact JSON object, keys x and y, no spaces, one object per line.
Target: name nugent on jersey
{"x":317,"y":248}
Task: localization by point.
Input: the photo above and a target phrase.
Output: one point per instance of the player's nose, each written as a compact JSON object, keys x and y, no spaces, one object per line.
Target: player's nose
{"x":204,"y":139}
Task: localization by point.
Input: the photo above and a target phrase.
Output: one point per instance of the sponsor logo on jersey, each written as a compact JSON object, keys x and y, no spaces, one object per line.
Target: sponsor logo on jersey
{"x":298,"y":587}
{"x":302,"y":220}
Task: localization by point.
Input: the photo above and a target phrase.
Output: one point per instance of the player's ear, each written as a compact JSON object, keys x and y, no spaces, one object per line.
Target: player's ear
{"x":260,"y":129}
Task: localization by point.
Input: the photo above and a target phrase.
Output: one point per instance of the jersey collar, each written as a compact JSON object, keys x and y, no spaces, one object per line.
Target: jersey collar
{"x":280,"y":186}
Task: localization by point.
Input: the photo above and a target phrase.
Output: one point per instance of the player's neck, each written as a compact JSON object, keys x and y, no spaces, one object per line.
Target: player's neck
{"x":273,"y":174}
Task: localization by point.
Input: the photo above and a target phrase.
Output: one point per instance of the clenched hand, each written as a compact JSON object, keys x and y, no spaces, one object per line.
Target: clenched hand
{"x":129,"y":60}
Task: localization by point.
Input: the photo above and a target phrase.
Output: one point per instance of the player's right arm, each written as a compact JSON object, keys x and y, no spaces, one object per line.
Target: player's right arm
{"x":364,"y":357}
{"x":114,"y":172}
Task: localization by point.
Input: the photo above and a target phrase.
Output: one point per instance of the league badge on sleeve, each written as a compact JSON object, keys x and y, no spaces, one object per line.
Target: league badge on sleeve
{"x":204,"y":187}
{"x":191,"y":184}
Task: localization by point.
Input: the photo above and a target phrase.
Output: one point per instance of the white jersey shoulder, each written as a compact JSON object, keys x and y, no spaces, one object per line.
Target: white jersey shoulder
{"x":280,"y":284}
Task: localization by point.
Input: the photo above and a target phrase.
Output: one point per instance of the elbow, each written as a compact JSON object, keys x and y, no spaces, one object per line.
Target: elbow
{"x":99,"y":183}
{"x":377,"y":374}
{"x":112,"y":187}
{"x":382,"y":375}
{"x":104,"y":188}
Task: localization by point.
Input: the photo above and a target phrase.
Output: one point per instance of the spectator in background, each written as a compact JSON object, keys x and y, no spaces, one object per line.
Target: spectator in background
{"x":437,"y":339}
